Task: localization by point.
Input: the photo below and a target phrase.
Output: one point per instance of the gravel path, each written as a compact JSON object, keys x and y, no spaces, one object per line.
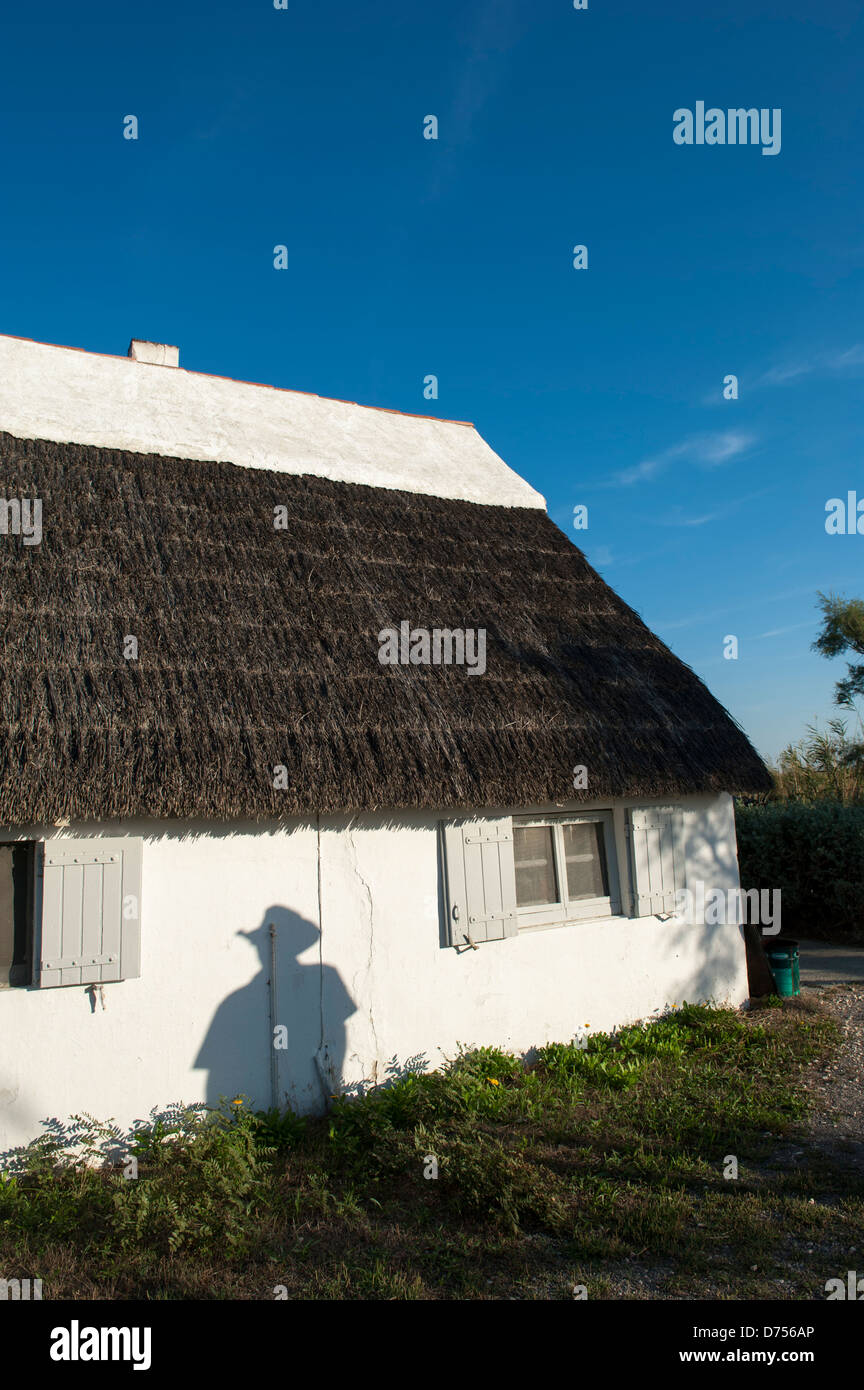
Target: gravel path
{"x":837,"y":1085}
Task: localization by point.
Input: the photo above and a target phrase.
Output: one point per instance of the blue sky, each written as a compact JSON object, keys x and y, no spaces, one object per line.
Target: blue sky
{"x":407,"y":256}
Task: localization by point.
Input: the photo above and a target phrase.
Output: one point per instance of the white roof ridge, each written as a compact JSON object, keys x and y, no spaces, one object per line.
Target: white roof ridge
{"x":72,"y":395}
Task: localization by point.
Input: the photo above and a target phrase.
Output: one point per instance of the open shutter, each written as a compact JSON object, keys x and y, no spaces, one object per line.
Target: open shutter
{"x":480,"y":879}
{"x":657,"y":858}
{"x":91,"y":911}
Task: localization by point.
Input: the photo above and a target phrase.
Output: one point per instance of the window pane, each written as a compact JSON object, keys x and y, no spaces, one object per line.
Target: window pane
{"x":535,"y":866}
{"x":585,"y":857}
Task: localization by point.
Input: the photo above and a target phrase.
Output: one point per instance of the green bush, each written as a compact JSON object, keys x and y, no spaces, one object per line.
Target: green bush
{"x":595,"y":1065}
{"x":474,"y":1084}
{"x":814,"y":853}
{"x":198,"y":1181}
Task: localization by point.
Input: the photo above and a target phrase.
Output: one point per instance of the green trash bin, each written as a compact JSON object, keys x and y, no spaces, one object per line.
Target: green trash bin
{"x":785,"y":967}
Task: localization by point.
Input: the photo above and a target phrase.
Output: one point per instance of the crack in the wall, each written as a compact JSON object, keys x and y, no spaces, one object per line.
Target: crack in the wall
{"x":371,"y":953}
{"x":323,"y":1061}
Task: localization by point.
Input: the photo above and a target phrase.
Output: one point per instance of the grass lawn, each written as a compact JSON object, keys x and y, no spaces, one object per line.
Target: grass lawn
{"x":602,"y":1167}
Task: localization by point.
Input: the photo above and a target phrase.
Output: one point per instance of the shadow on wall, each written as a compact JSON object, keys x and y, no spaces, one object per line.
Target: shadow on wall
{"x":721,"y":956}
{"x":721,"y":952}
{"x":312,"y":1007}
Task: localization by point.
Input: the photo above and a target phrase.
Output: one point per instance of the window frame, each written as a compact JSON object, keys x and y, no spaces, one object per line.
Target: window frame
{"x":566,"y":911}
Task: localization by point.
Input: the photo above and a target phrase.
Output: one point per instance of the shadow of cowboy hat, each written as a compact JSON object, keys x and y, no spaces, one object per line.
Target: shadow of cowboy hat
{"x":292,"y":930}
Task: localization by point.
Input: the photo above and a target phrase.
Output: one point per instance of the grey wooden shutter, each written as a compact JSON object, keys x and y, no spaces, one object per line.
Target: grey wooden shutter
{"x":480,"y":880}
{"x":657,"y":858}
{"x":91,"y":911}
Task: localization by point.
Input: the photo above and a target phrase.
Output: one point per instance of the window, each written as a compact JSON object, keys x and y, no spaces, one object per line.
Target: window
{"x":565,"y":868}
{"x":504,"y":874}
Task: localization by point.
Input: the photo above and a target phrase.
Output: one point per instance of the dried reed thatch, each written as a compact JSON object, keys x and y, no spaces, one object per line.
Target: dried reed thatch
{"x":259,"y":647}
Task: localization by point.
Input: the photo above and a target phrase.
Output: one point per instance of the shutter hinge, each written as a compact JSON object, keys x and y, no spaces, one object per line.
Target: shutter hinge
{"x":67,"y":962}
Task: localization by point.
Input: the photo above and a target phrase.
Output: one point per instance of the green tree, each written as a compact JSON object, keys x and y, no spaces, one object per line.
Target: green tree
{"x":832,"y":763}
{"x":843,"y":631}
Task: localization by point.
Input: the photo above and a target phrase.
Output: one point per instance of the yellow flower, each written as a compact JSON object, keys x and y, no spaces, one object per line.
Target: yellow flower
{"x":493,"y":1082}
{"x":237,"y":1102}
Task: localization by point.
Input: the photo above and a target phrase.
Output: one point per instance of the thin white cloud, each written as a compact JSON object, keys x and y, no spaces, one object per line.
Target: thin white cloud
{"x":492,"y":26}
{"x":629,"y":558}
{"x":848,"y":359}
{"x":491,"y":29}
{"x":698,"y":520}
{"x":703,"y":450}
{"x":649,"y":468}
{"x":713,"y":449}
{"x":735,"y":608}
{"x":833,"y":361}
{"x":718,"y":513}
{"x":777,"y":376}
{"x":781,"y":631}
{"x":852,"y":357}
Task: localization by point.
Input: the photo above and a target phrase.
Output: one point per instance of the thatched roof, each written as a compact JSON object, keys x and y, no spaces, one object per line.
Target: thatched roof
{"x":259,"y":647}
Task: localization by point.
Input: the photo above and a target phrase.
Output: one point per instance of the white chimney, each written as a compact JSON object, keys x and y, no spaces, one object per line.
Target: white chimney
{"x":157,"y":354}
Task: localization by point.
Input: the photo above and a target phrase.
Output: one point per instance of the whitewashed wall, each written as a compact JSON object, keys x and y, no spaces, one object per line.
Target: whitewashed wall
{"x":197,"y":1023}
